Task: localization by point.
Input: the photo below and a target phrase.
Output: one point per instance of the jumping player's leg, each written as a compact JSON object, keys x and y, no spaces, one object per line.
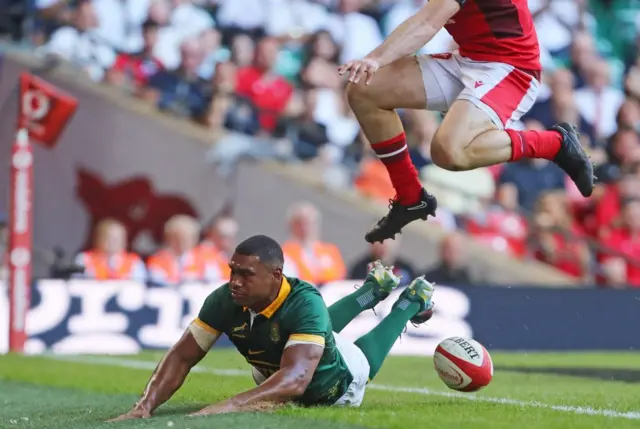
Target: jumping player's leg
{"x":415,"y":305}
{"x":378,"y":285}
{"x":399,"y":85}
{"x":473,"y":133}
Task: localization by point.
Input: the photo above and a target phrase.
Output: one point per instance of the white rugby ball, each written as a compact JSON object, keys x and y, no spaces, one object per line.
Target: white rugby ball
{"x":463,"y":364}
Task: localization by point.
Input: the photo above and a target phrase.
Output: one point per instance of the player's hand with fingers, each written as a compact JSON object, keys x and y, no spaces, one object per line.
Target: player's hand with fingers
{"x":358,"y":70}
{"x":136,"y":413}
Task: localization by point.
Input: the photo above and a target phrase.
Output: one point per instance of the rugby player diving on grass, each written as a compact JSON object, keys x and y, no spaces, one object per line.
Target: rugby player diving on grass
{"x":287,"y":334}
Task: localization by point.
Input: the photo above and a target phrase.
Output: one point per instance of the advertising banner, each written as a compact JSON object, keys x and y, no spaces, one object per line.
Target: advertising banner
{"x":84,"y":316}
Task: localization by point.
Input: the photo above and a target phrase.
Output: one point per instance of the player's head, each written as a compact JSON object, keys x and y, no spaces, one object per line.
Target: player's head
{"x":256,"y":270}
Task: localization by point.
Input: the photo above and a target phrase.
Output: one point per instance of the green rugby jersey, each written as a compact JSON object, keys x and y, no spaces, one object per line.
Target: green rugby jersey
{"x":298,"y":314}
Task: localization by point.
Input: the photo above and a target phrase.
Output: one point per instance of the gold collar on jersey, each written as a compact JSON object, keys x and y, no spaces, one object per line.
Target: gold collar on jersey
{"x":283,"y":293}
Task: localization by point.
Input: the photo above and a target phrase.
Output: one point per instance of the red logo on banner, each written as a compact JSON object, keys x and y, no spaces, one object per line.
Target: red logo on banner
{"x":133,"y":201}
{"x":44,"y":109}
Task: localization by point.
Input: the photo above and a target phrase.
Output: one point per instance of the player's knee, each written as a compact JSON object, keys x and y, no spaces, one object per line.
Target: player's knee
{"x":447,"y":154}
{"x":358,"y":96}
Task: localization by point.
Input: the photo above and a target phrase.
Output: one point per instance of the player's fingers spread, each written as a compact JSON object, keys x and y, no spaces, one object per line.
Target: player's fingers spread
{"x":369,"y":75}
{"x":343,"y":68}
{"x":354,"y":73}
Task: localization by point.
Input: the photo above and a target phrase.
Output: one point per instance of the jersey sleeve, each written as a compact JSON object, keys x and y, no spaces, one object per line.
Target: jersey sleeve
{"x":308,"y":322}
{"x":212,"y":319}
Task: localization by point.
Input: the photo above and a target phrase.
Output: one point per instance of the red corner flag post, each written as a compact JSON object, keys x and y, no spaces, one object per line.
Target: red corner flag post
{"x":43,"y":113}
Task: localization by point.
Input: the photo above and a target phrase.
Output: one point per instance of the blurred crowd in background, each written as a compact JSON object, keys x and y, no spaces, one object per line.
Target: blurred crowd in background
{"x":268,"y":69}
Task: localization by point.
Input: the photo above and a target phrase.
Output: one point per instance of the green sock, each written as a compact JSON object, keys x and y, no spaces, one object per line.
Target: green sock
{"x":345,"y":310}
{"x":376,"y":344}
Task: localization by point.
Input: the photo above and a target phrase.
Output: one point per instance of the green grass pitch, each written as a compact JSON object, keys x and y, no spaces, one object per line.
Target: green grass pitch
{"x":83,"y":391}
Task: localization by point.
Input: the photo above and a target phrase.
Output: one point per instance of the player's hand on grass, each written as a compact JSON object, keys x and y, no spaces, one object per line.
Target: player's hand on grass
{"x":133,"y":414}
{"x":225,"y":407}
{"x":358,"y":69}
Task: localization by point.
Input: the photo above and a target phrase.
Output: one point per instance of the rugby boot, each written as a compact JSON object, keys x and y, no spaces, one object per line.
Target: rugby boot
{"x":382,"y":280}
{"x":420,"y":291}
{"x":400,"y":215}
{"x":573,"y":159}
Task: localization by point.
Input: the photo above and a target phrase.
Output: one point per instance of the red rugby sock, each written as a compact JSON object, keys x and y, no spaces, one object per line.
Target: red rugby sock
{"x":534,"y":144}
{"x":394,"y":154}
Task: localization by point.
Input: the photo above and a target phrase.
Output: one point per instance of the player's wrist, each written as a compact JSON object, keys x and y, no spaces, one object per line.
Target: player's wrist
{"x":143,"y":407}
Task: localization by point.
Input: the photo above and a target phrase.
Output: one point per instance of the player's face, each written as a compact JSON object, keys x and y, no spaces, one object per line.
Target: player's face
{"x":251,"y":281}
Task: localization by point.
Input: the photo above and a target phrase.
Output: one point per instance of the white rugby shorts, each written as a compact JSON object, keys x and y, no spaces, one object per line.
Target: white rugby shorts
{"x":358,"y":366}
{"x":502,"y":91}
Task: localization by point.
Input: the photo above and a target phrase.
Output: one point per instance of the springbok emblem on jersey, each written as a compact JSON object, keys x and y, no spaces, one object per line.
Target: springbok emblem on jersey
{"x":239,"y":328}
{"x":274,"y":333}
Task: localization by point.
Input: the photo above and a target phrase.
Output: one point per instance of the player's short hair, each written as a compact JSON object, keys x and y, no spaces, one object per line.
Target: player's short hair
{"x":265,"y":248}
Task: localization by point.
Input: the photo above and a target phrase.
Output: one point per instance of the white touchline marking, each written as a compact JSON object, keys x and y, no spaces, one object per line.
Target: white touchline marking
{"x":147,"y":365}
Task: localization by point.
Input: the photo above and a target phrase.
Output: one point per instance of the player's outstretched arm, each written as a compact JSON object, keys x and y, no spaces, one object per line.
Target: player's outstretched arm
{"x":298,"y":364}
{"x":167,"y":377}
{"x":417,"y":31}
{"x":407,"y":39}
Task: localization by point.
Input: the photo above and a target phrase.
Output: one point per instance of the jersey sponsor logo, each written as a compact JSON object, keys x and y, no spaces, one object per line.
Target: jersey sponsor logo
{"x":255,"y":352}
{"x":274,"y":332}
{"x":478,"y":83}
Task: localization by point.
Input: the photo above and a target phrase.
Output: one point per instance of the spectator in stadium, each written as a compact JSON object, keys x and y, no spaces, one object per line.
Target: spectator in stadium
{"x":307,"y":135}
{"x":266,"y":90}
{"x":167,"y":47}
{"x":608,"y":212}
{"x":189,"y":20}
{"x":321,"y":45}
{"x":294,"y":20}
{"x":180,"y":261}
{"x":557,"y":22}
{"x":625,"y":148}
{"x":499,"y":224}
{"x":623,"y":245}
{"x":387,"y":253}
{"x":241,"y":17}
{"x":404,"y":9}
{"x":372,"y":180}
{"x":180,"y":92}
{"x":557,"y":238}
{"x":308,"y":257}
{"x":453,"y":267}
{"x":210,"y":41}
{"x":629,"y":115}
{"x":243,"y":50}
{"x":598,"y":101}
{"x":109,"y":259}
{"x":583,"y":51}
{"x":561,"y":106}
{"x":219,"y":241}
{"x":133,"y":71}
{"x":357,"y":33}
{"x":225,"y":110}
{"x":119,"y":22}
{"x":632,"y":81}
{"x":80,"y":44}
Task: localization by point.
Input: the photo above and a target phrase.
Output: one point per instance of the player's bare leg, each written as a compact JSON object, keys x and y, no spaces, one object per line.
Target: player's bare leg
{"x":468,"y":139}
{"x":398,"y":85}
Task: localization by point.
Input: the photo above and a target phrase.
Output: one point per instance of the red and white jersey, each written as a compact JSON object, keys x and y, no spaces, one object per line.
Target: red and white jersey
{"x":496,"y":31}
